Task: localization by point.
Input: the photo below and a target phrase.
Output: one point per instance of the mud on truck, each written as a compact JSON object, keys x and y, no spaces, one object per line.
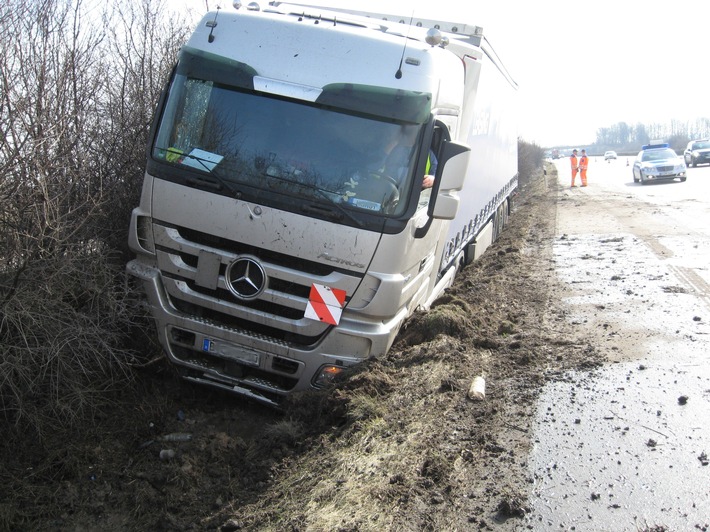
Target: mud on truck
{"x":284,"y":231}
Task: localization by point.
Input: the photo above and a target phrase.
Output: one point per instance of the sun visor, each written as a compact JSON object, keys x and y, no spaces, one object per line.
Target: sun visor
{"x":194,"y":63}
{"x":383,"y":102}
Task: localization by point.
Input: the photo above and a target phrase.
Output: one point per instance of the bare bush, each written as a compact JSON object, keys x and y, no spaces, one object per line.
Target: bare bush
{"x":75,"y":101}
{"x":143,"y":44}
{"x":530,"y":159}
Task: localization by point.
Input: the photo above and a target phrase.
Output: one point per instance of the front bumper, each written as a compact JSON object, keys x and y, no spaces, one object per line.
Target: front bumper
{"x":663,"y":176}
{"x":249,"y":364}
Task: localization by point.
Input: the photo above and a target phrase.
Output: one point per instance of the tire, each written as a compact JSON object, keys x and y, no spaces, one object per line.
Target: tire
{"x":468,"y":253}
{"x":643,"y":181}
{"x":500,"y":220}
{"x":635,"y":178}
{"x":503,"y":215}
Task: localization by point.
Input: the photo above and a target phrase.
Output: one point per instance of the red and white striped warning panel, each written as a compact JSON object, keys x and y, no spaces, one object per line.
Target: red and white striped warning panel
{"x":325,"y":304}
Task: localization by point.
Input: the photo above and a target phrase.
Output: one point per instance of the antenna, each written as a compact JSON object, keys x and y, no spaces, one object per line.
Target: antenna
{"x":398,"y":74}
{"x":212,"y":25}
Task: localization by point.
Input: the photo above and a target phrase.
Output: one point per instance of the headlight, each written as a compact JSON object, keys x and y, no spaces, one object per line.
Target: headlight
{"x":649,"y":169}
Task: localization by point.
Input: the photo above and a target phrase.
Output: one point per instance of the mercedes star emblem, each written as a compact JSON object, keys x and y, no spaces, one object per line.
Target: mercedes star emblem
{"x":245,"y":278}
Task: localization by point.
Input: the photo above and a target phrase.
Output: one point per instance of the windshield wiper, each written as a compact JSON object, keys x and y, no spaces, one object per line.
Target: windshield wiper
{"x":316,"y":208}
{"x":207,"y":165}
{"x":331,"y":202}
{"x":327,"y":212}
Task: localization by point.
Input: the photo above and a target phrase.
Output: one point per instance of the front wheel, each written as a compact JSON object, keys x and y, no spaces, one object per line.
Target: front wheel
{"x":636,"y":179}
{"x":643,"y":181}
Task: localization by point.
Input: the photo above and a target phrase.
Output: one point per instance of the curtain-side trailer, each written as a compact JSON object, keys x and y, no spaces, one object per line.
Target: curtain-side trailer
{"x":287,"y":226}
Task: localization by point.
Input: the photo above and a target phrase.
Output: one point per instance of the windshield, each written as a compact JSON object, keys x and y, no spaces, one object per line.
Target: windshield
{"x":658,"y":155}
{"x":701,"y":145}
{"x":294,"y":148}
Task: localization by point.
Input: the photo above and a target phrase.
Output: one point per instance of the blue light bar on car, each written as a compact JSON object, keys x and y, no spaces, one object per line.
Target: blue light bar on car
{"x":651,"y":146}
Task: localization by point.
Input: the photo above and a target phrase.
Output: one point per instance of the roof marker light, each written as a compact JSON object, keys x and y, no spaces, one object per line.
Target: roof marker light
{"x":433,"y":37}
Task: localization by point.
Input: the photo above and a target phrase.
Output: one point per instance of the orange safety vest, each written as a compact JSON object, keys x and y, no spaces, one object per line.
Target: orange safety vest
{"x":583,"y":161}
{"x":573,"y":160}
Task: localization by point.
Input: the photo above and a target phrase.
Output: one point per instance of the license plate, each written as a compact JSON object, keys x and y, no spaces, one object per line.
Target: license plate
{"x":230,"y":351}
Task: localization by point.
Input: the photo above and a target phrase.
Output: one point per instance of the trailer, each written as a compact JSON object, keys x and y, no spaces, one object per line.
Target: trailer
{"x":313,"y":177}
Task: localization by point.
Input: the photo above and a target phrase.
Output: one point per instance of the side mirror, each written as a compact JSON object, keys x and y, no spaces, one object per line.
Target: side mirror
{"x":452,"y":169}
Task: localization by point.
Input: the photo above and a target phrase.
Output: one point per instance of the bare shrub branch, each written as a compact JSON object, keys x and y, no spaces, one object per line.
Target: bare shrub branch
{"x":78,"y":84}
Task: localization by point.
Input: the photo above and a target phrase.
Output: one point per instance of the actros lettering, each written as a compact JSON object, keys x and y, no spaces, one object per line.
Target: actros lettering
{"x":338,"y":260}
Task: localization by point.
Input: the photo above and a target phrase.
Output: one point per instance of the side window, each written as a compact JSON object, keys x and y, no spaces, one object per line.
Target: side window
{"x":440,"y":135}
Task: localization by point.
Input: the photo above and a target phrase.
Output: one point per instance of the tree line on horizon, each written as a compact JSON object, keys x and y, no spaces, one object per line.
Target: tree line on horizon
{"x":623,"y":137}
{"x":628,"y":138}
{"x":676,"y":132}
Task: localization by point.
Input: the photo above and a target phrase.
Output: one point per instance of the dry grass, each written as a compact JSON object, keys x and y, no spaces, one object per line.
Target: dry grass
{"x":63,"y":328}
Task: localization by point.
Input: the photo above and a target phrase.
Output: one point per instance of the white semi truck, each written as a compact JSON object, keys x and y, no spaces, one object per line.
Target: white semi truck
{"x":286,"y":229}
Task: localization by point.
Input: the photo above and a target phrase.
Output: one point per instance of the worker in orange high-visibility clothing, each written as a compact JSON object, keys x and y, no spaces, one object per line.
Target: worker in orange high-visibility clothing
{"x":575,"y":165}
{"x":583,"y":163}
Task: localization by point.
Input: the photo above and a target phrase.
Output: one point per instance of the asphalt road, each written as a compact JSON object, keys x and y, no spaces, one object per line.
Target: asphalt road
{"x":627,"y":447}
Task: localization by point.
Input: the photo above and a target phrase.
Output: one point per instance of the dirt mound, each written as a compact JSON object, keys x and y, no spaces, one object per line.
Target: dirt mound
{"x":397,"y":445}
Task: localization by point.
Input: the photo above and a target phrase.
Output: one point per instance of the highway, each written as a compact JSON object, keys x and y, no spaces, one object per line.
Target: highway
{"x":626,"y":447}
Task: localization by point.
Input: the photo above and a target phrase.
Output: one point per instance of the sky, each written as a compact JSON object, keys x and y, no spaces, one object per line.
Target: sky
{"x":579,"y":66}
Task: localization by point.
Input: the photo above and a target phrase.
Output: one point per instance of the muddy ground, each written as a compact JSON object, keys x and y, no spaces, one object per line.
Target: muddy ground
{"x":398,"y":446}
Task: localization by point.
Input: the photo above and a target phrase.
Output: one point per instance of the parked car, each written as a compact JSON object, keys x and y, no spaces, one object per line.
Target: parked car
{"x":697,"y":152}
{"x":609,"y":155}
{"x":658,"y":162}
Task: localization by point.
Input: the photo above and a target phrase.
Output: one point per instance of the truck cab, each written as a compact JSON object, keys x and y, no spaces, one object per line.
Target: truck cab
{"x":283,"y":232}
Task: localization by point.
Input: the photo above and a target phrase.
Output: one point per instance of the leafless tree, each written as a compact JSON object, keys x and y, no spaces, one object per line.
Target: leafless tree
{"x":78,"y":83}
{"x":142,"y":49}
{"x":630,"y":138}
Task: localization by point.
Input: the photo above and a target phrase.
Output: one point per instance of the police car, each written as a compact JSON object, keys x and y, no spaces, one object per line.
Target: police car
{"x":658,"y":162}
